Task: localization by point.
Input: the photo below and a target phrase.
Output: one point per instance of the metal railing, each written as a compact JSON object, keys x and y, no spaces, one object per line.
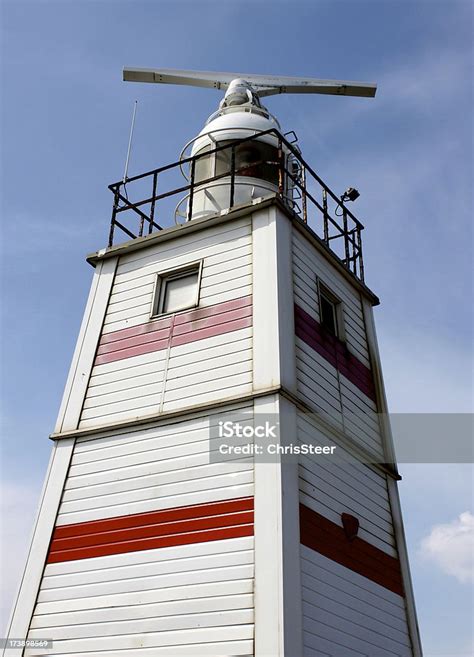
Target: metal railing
{"x":298,"y":186}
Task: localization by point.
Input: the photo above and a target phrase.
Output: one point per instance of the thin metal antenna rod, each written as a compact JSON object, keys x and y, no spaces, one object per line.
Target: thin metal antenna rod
{"x":125,"y":173}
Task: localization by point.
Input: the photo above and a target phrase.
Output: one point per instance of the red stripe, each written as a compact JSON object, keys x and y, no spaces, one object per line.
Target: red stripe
{"x":149,"y":531}
{"x":187,"y":327}
{"x":329,"y":539}
{"x":334,"y":351}
{"x":145,"y":531}
{"x":154,"y":517}
{"x":152,"y":543}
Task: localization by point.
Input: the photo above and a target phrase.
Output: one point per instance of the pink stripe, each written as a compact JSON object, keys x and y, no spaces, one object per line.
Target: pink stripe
{"x":201,"y":313}
{"x":334,"y":351}
{"x":134,"y":341}
{"x":221,"y":318}
{"x":148,"y":348}
{"x":212,"y":331}
{"x":141,"y":329}
{"x":189,"y":326}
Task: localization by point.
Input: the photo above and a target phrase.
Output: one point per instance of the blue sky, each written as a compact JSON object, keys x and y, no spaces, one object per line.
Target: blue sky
{"x":65,"y":121}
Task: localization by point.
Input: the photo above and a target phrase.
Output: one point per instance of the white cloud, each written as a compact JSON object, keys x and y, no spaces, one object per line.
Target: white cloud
{"x":18,"y":504}
{"x":451,"y":547}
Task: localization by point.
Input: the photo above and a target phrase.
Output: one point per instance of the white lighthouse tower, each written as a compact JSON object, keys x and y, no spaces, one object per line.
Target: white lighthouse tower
{"x":249,"y":310}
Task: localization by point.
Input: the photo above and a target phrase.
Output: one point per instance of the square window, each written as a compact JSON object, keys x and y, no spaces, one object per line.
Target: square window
{"x":177,"y":290}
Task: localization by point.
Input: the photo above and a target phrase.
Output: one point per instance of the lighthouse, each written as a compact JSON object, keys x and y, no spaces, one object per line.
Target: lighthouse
{"x":223,"y":481}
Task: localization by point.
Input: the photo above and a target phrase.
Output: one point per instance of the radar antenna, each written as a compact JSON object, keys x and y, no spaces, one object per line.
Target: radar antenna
{"x":242,"y":87}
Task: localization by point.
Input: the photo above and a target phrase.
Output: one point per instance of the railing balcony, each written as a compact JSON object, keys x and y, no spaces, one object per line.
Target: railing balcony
{"x":160,"y":198}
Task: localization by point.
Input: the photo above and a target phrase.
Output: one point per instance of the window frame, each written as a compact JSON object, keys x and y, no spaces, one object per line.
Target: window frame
{"x":336,"y":302}
{"x":170,"y":274}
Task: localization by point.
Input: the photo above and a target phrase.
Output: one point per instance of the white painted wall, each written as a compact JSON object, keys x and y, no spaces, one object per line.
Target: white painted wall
{"x":203,"y":371}
{"x":347,"y":615}
{"x":320,"y":385}
{"x":194,"y":599}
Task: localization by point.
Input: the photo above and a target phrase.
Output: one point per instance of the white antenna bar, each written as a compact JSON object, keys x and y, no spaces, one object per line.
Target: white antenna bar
{"x":125,"y":173}
{"x":264,"y":85}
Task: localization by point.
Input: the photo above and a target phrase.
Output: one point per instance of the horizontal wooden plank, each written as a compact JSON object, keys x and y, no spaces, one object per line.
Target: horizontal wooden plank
{"x":364,"y":617}
{"x":127,"y":599}
{"x":221,"y":375}
{"x":232,"y":392}
{"x":353,"y":500}
{"x":141,"y":288}
{"x":349,"y":583}
{"x":213,"y":619}
{"x":212,"y":364}
{"x":228,"y":274}
{"x":356,"y":635}
{"x":182,"y":393}
{"x":242,"y":648}
{"x":151,"y":568}
{"x":226,"y":267}
{"x":116,"y":384}
{"x":214,"y":347}
{"x":159,"y":479}
{"x":181,"y":255}
{"x":211,"y":295}
{"x":333,"y":477}
{"x":66,"y":517}
{"x":153,"y":640}
{"x":320,"y":634}
{"x":148,"y":441}
{"x":120,"y":563}
{"x":175,"y":469}
{"x":139,"y":612}
{"x":226,"y":573}
{"x":154,"y":493}
{"x":210,"y":238}
{"x":323,"y":588}
{"x":135,"y":366}
{"x":235,"y":283}
{"x":141,"y":405}
{"x":372,"y":479}
{"x":314,"y":643}
{"x":108,"y":399}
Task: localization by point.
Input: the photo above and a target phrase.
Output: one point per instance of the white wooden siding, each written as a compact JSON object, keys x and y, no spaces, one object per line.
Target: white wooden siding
{"x":148,"y":469}
{"x":341,"y":483}
{"x":320,"y":385}
{"x":310,"y":264}
{"x":226,"y":250}
{"x":184,"y":600}
{"x":195,"y":373}
{"x":347,"y":615}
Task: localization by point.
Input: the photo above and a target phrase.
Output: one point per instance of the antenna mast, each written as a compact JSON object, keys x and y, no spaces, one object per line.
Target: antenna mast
{"x":125,"y":173}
